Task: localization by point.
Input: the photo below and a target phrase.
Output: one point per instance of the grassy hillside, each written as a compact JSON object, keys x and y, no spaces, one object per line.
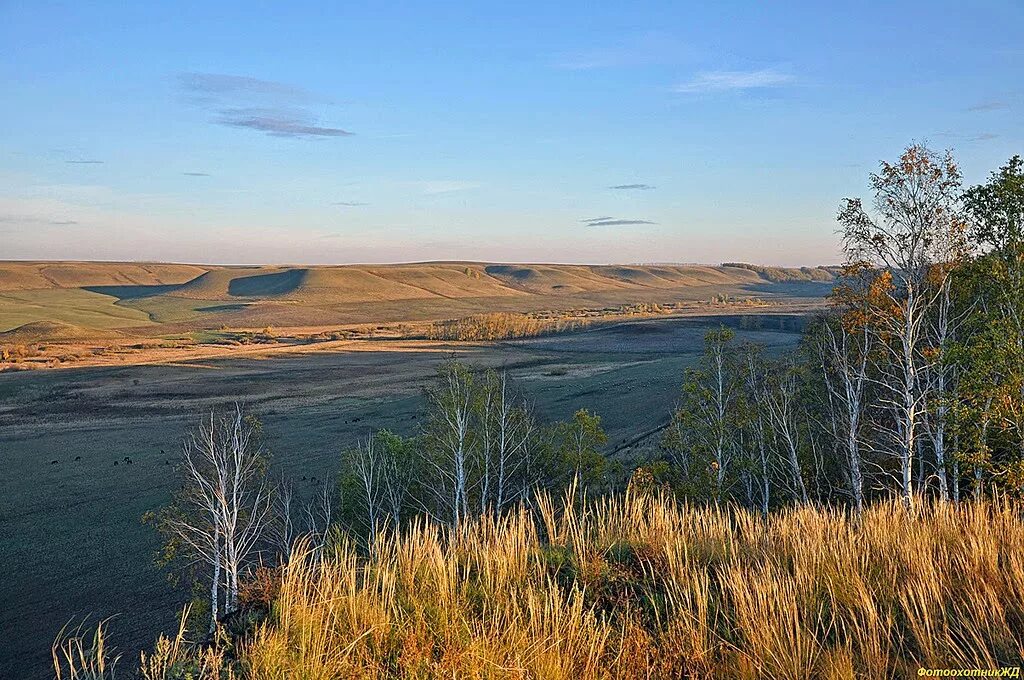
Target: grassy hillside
{"x":41,"y":275}
{"x":639,"y":586}
{"x":74,"y":306}
{"x":51,"y":330}
{"x":143,"y":297}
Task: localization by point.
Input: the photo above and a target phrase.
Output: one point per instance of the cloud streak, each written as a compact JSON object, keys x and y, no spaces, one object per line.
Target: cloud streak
{"x":87,"y":161}
{"x":733,"y":81}
{"x":349,"y":204}
{"x":265,"y":106}
{"x":613,"y":222}
{"x":968,"y":137}
{"x":278,"y":123}
{"x":632,"y":187}
{"x":196,"y":174}
{"x":435,"y":187}
{"x":216,"y":85}
{"x":989,"y":106}
{"x":34,"y":219}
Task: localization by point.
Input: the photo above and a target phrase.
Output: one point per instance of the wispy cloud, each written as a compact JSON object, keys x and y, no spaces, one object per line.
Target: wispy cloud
{"x":84,"y":161}
{"x":632,"y":187}
{"x":434,"y":187}
{"x":278,"y":123}
{"x":275,"y":109}
{"x":24,"y":219}
{"x":216,"y":85}
{"x":989,"y":106}
{"x":967,"y":137}
{"x":725,"y":81}
{"x":349,"y":204}
{"x":196,"y":174}
{"x":613,"y":222}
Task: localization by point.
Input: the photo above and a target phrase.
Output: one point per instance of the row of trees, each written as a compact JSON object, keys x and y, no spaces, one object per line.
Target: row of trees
{"x":481,"y":451}
{"x":499,"y":326}
{"x":912,"y":383}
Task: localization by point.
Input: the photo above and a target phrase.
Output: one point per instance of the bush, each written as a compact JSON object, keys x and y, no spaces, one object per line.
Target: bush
{"x":15,"y":353}
{"x":498,"y":326}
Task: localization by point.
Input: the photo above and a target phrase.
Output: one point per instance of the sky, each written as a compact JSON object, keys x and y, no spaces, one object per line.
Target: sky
{"x":583,"y":132}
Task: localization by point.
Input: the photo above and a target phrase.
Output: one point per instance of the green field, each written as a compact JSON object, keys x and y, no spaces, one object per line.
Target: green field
{"x":70,"y":533}
{"x":73,"y":306}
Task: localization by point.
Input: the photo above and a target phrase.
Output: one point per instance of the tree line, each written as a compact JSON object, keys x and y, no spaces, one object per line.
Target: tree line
{"x":481,"y":451}
{"x":499,"y":326}
{"x":909,"y":385}
{"x":912,"y":382}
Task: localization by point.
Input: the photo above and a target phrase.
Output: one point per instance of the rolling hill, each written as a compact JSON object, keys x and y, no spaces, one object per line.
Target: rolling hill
{"x":155,"y":298}
{"x":45,"y":275}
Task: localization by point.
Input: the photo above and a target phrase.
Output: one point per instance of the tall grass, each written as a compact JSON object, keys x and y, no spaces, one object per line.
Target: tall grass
{"x":80,"y":655}
{"x":633,"y":586}
{"x":640,"y":586}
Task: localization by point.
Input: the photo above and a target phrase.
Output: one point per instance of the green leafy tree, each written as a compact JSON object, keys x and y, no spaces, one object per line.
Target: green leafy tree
{"x":581,"y":441}
{"x":704,"y":435}
{"x":991,"y":416}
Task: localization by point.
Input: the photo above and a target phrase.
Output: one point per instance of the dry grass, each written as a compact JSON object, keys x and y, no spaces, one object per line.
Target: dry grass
{"x":639,"y":586}
{"x":499,"y":326}
{"x":636,"y":586}
{"x":80,"y":655}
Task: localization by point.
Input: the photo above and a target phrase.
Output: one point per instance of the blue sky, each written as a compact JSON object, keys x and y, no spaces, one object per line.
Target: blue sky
{"x":561,"y":132}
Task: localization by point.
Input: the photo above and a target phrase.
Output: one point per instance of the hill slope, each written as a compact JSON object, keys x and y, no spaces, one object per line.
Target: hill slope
{"x":107,"y":295}
{"x":44,"y":275}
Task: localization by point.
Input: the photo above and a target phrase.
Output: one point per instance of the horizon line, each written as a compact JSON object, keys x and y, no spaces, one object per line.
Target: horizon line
{"x":414,"y":262}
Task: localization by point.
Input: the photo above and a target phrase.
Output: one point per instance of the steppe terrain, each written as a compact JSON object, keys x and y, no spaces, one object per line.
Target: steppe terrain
{"x":55,"y":314}
{"x":88,"y":449}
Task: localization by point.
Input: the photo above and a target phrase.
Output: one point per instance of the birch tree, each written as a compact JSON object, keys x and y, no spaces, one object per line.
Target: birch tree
{"x":940,"y":377}
{"x":368,"y":464}
{"x":781,"y":403}
{"x":450,"y":441}
{"x":710,"y":398}
{"x":844,"y":343}
{"x":319,"y":515}
{"x":757,"y":421}
{"x":223,"y":509}
{"x":245,"y":506}
{"x":383,"y":471}
{"x":398,"y":470}
{"x":282,"y":530}
{"x":915,"y":209}
{"x":506,"y":430}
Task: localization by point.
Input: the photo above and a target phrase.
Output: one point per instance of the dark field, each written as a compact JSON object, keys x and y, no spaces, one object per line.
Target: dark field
{"x":70,"y":531}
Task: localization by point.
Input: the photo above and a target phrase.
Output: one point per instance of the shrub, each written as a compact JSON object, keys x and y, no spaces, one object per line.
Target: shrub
{"x":498,"y":326}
